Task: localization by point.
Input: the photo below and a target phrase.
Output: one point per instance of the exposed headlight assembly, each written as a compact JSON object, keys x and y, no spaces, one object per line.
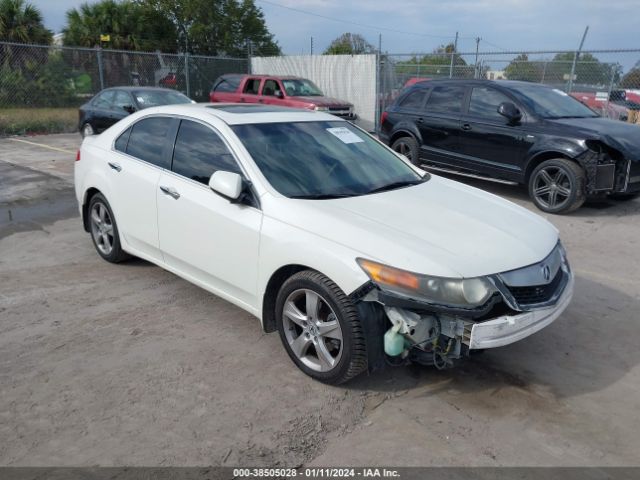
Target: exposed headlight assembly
{"x":452,"y":292}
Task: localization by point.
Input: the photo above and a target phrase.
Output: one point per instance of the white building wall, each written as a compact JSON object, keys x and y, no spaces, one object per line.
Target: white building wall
{"x":347,"y":77}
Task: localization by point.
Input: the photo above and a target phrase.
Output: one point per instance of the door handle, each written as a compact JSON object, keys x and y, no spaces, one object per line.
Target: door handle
{"x":172,"y":192}
{"x":420,"y":120}
{"x":466,"y":126}
{"x":115,"y":166}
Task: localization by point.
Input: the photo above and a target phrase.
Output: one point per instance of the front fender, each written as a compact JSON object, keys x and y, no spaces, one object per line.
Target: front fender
{"x":571,"y":148}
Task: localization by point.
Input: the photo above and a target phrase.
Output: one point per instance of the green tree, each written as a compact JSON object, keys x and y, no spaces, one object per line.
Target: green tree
{"x":589,"y":69}
{"x":21,"y":22}
{"x":223,"y":27}
{"x":349,"y":44}
{"x":521,"y":68}
{"x":631,"y":79}
{"x":437,"y":64}
{"x":130,"y":26}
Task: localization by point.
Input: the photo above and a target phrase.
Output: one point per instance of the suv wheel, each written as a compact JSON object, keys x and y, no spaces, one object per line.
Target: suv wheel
{"x":104,"y":230}
{"x":408,"y":147}
{"x":87,"y":130}
{"x":320,"y":328}
{"x":558,"y":186}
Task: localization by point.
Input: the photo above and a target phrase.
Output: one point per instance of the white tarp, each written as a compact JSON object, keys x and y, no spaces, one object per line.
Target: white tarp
{"x":347,"y":77}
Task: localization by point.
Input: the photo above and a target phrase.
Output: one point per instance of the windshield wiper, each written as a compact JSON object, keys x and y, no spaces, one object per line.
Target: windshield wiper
{"x":323,"y":196}
{"x":400,"y":184}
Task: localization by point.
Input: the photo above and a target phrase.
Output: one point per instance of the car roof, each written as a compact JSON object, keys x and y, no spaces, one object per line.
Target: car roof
{"x":471,"y":81}
{"x":281,"y":77}
{"x":132,"y":88}
{"x":239,"y":114}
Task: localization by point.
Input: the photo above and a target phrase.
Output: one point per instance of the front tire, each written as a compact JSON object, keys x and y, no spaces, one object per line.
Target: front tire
{"x":320,"y":328}
{"x":408,"y":146}
{"x":558,"y":186}
{"x":104,"y":230}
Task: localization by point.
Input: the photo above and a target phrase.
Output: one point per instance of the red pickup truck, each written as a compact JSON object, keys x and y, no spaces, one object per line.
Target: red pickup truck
{"x":273,"y":90}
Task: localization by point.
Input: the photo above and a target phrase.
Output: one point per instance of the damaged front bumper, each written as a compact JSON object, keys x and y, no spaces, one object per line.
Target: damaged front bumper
{"x":511,"y":328}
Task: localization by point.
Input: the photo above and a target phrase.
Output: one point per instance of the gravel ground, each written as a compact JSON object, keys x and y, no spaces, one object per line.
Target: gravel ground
{"x":128,"y":364}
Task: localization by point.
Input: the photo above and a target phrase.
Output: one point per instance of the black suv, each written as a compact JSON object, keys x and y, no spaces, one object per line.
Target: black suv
{"x":516,"y":132}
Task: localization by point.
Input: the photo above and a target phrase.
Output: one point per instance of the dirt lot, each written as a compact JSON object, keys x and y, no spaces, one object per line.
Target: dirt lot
{"x":131,"y":365}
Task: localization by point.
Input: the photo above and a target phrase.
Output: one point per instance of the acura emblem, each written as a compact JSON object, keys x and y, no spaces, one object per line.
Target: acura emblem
{"x":546,"y":272}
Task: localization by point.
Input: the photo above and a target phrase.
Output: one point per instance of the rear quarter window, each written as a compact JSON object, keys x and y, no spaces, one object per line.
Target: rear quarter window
{"x":148,"y":138}
{"x":227,"y":84}
{"x":413,"y":100}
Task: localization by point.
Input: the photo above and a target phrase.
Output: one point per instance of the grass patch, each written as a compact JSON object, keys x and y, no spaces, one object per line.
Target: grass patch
{"x":27,"y":121}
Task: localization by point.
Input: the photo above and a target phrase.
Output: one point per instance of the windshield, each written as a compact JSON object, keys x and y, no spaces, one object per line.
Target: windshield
{"x":301,"y":88}
{"x":153,"y":98}
{"x":323,"y":159}
{"x":550,"y":102}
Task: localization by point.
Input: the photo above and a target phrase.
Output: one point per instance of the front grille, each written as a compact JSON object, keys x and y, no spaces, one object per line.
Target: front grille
{"x":340,"y":111}
{"x":535,"y":294}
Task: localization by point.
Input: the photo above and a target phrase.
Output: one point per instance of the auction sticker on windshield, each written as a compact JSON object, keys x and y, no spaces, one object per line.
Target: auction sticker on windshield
{"x":344,"y":134}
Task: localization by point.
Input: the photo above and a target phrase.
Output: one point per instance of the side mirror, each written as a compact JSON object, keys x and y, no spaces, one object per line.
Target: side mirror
{"x":129,"y":108}
{"x":510,"y":112}
{"x":279,"y":94}
{"x":227,"y":184}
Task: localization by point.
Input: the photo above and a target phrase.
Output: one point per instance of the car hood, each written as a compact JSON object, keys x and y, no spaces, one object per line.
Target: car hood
{"x":324,"y":101}
{"x":622,"y":136}
{"x":439,"y":227}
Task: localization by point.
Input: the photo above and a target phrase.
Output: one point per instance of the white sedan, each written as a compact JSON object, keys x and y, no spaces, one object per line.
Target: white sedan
{"x":353,"y":254}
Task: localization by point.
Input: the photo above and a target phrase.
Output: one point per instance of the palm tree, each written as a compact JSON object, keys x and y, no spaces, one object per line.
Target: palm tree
{"x":21,"y":22}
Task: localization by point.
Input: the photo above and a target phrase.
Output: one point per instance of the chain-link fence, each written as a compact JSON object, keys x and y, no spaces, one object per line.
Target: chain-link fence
{"x":53,"y":76}
{"x":608,"y":81}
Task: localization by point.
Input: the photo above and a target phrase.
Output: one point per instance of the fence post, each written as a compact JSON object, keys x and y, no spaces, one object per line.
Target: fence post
{"x":378,"y":108}
{"x":248,"y":56}
{"x":453,"y":53}
{"x":186,"y":73}
{"x":544,"y":71}
{"x":575,"y":59}
{"x":100,"y":67}
{"x":613,"y":78}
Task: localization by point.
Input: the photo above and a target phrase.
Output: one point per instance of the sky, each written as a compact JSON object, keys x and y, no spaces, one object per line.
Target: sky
{"x":410,"y":26}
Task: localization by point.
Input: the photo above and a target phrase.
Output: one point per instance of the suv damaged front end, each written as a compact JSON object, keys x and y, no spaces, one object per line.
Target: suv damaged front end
{"x":434,"y":320}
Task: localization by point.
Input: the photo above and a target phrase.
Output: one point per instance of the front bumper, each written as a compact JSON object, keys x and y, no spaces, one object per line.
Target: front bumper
{"x":511,"y":328}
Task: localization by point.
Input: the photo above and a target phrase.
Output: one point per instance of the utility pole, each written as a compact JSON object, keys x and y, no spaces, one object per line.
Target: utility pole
{"x":455,"y":49}
{"x":311,"y":46}
{"x":575,"y":59}
{"x":477,"y":75}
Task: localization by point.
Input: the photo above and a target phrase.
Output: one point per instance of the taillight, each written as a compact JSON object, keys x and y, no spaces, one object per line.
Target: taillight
{"x":383,"y":117}
{"x":78,"y":155}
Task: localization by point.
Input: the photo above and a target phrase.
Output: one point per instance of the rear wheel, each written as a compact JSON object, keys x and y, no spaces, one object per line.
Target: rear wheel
{"x":408,"y":147}
{"x":558,"y":186}
{"x":319,"y":328}
{"x":104,"y":230}
{"x":87,"y":130}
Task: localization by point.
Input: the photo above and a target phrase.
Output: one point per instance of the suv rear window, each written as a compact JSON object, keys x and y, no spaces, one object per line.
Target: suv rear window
{"x":413,"y":100}
{"x":227,"y":84}
{"x":446,"y":99}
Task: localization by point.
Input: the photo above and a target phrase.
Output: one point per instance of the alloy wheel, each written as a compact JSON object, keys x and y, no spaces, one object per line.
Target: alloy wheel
{"x":312,"y":330}
{"x":87,"y":130}
{"x":403,"y":148}
{"x":102,"y":228}
{"x":552,"y":187}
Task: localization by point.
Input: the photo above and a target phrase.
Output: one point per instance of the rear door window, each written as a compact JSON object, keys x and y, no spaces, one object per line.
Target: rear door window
{"x":148,"y":139}
{"x":252,"y":86}
{"x":446,"y":99}
{"x":414,"y":100}
{"x":199,"y":152}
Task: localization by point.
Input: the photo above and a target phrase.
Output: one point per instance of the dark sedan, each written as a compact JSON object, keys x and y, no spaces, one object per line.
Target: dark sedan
{"x":516,"y":132}
{"x":113,"y":104}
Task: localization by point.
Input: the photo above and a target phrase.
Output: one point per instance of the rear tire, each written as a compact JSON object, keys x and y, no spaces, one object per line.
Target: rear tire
{"x":104,"y":230}
{"x":320,"y":328}
{"x":558,"y":186}
{"x":87,"y":130}
{"x":408,"y":146}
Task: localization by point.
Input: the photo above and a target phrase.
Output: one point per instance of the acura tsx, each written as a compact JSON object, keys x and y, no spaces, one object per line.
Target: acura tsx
{"x":354,"y":255}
